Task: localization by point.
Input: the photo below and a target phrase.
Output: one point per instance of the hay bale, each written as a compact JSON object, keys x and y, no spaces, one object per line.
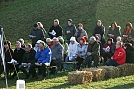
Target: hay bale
{"x":98,"y":73}
{"x":79,"y":77}
{"x":126,"y":69}
{"x":111,"y":71}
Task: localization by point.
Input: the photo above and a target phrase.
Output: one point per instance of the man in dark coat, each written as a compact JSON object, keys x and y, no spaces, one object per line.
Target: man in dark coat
{"x":28,"y":59}
{"x":36,"y":34}
{"x":129,"y":53}
{"x":70,"y":30}
{"x":18,"y":56}
{"x":55,"y":30}
{"x":93,"y":53}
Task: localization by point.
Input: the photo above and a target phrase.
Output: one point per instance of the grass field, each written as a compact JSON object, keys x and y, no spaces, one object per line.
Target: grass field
{"x":59,"y":81}
{"x":18,"y":17}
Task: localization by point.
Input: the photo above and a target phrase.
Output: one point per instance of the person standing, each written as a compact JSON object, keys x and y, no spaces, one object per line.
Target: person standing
{"x":43,"y":29}
{"x":36,"y":34}
{"x":69,"y":30}
{"x":114,"y":31}
{"x":100,"y":29}
{"x":128,"y":31}
{"x":55,"y":30}
{"x":80,"y":32}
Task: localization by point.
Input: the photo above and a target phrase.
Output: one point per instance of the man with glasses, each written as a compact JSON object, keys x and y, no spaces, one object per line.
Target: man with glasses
{"x":119,"y":56}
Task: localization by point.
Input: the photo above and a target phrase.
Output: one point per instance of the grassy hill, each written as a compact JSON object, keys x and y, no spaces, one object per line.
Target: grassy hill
{"x":18,"y":17}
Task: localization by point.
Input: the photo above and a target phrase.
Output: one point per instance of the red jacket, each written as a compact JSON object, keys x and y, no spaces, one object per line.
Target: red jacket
{"x":120,"y":56}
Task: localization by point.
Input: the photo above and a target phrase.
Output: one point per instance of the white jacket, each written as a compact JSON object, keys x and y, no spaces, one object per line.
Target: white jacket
{"x":72,"y":49}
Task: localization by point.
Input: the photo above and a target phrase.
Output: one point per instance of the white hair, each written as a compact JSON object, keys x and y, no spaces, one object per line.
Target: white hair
{"x":56,"y":20}
{"x":40,"y":24}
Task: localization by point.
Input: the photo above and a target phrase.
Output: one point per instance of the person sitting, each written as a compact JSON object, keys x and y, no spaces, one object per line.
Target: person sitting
{"x":18,"y":56}
{"x":107,"y":49}
{"x":127,"y":31}
{"x":65,"y":47}
{"x":22,"y":43}
{"x":100,"y":29}
{"x":81,"y":52}
{"x":114,"y":31}
{"x":71,"y":52}
{"x":8,"y":56}
{"x":118,"y":39}
{"x":36,"y":48}
{"x":43,"y":55}
{"x":119,"y":56}
{"x":57,"y":55}
{"x":28,"y":59}
{"x":49,"y":42}
{"x":129,"y":53}
{"x":93,"y":53}
{"x":130,"y":40}
{"x":80,"y":32}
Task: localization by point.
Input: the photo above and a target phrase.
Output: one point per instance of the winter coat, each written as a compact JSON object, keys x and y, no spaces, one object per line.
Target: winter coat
{"x":72,"y":30}
{"x":44,"y":56}
{"x":72,"y":49}
{"x":18,"y":55}
{"x":29,"y":57}
{"x":99,"y":30}
{"x":57,"y":51}
{"x":116,"y":32}
{"x":120,"y":56}
{"x":130,"y":54}
{"x":39,"y":35}
{"x":95,"y":52}
{"x":57,"y":29}
{"x":81,"y":50}
{"x":8,"y":55}
{"x":83,"y":33}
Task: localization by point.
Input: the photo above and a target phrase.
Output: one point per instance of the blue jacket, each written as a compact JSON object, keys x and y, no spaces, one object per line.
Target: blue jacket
{"x":44,"y":56}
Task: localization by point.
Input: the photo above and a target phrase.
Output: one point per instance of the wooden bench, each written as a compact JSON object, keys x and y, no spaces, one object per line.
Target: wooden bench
{"x":49,"y":67}
{"x":70,"y":64}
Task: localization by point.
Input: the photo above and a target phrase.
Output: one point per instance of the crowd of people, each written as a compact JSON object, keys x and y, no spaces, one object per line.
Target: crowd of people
{"x":77,"y":47}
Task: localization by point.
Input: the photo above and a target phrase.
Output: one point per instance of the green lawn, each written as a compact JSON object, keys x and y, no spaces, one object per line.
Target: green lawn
{"x":60,"y":81}
{"x":18,"y":17}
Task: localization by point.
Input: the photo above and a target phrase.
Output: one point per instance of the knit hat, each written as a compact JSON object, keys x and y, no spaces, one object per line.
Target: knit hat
{"x":35,"y":25}
{"x":70,"y":20}
{"x":39,"y":41}
{"x":83,"y":39}
{"x":48,"y":40}
{"x":55,"y":39}
{"x":92,"y":38}
{"x":72,"y":39}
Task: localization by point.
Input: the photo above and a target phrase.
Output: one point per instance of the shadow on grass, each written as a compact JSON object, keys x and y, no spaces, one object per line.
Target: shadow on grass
{"x":65,"y":85}
{"x":125,"y":86}
{"x":12,"y":82}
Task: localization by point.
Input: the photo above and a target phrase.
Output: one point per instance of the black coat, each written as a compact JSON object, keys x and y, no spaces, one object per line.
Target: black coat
{"x":29,"y":57}
{"x":99,"y":30}
{"x":39,"y":35}
{"x":57,"y":29}
{"x":18,"y":55}
{"x":130,"y":54}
